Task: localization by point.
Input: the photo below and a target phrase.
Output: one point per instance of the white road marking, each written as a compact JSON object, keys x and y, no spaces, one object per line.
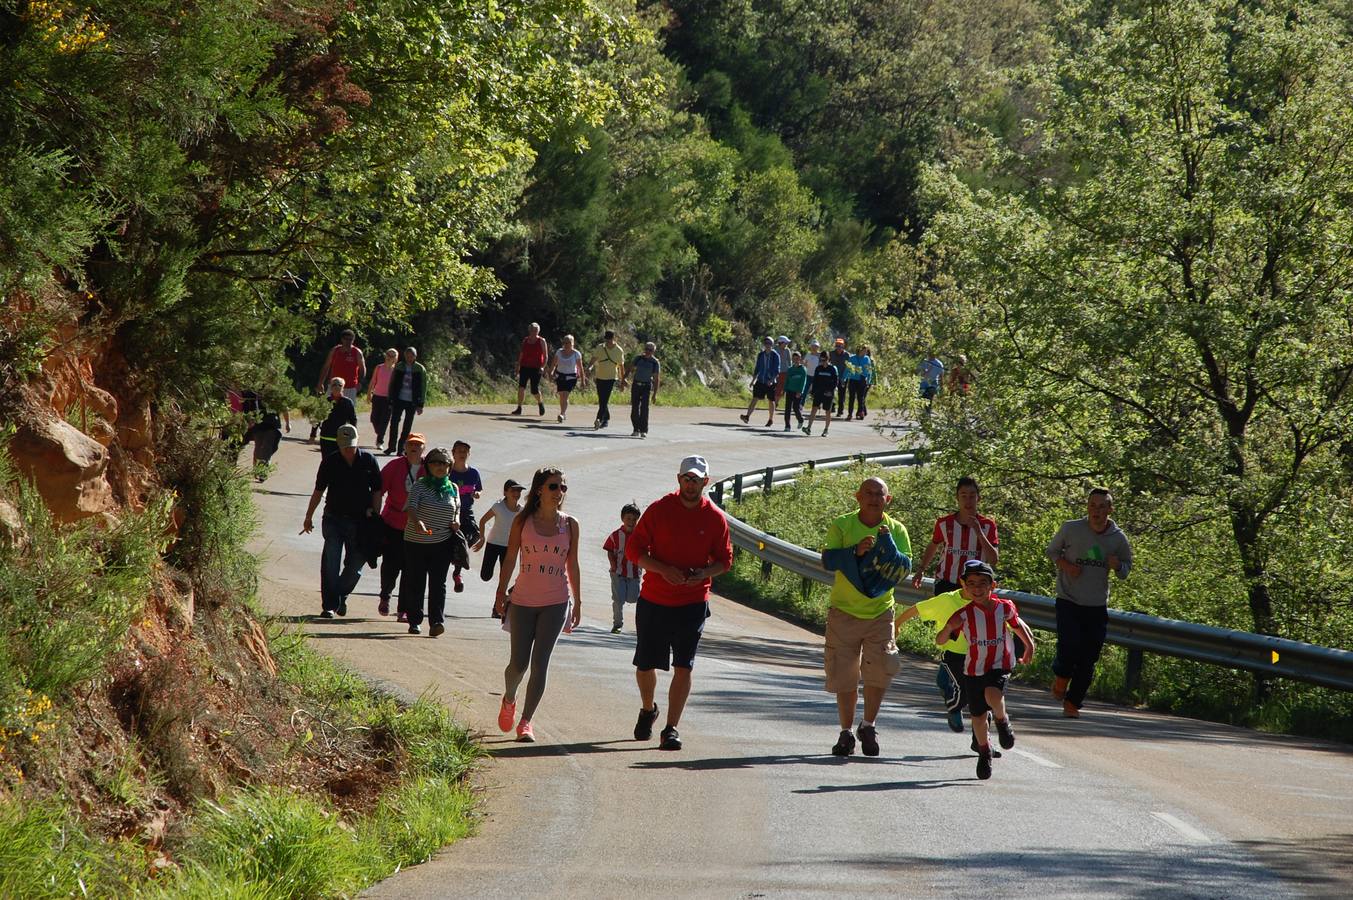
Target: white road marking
{"x":515,"y":462}
{"x":1187,"y":831}
{"x":1047,"y":763}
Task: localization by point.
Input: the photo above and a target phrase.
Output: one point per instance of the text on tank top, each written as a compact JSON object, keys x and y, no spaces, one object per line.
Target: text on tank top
{"x":542,"y":578}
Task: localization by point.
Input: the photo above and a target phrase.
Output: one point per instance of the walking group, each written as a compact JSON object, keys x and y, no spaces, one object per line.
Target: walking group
{"x":831,"y":380}
{"x":610,"y":369}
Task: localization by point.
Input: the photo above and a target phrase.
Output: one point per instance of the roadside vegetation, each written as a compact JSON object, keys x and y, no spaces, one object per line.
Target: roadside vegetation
{"x":1164,"y":582}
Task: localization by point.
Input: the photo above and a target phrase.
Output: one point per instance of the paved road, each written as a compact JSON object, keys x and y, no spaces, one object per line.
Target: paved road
{"x":1119,"y":804}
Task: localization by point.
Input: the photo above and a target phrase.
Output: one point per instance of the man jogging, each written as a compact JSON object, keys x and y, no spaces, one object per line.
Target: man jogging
{"x":860,"y":638}
{"x":765,"y":380}
{"x":681,"y":542}
{"x":1085,"y":551}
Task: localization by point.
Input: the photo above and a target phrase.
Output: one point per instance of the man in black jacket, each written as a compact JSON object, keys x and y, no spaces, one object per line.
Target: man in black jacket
{"x":408,"y":391}
{"x":352,"y":479}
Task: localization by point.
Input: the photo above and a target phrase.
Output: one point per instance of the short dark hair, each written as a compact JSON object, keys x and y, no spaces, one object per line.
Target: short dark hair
{"x":607,"y":335}
{"x":968,"y":481}
{"x":348,"y":332}
{"x":630,"y":507}
{"x":458,"y":444}
{"x":1101,"y":491}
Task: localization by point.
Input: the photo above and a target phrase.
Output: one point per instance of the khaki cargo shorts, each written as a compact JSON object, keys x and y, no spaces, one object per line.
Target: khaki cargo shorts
{"x":859,"y":647}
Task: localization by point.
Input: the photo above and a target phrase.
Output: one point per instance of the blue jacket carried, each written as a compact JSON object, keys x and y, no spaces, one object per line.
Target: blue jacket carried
{"x":875,"y":573}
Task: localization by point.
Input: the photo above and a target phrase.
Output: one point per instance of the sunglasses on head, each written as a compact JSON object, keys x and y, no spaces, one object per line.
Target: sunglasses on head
{"x":557,"y":486}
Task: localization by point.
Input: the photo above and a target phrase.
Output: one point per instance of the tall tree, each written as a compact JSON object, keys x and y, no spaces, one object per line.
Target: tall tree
{"x":1166,"y":304}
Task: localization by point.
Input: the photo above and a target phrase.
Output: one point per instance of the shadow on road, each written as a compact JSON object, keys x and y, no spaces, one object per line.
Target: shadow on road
{"x":921,"y":785}
{"x":512,"y":750}
{"x":742,"y":762}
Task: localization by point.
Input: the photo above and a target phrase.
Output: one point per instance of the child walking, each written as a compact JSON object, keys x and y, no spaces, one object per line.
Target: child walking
{"x":624,"y":574}
{"x":987,"y":621}
{"x":466,"y":478}
{"x":493,"y":539}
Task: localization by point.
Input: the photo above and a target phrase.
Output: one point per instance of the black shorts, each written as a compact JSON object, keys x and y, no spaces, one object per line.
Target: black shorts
{"x":564,"y":382}
{"x":823,"y":402}
{"x":529,"y":374}
{"x":667,"y":634}
{"x":763,"y":391}
{"x":975,"y":688}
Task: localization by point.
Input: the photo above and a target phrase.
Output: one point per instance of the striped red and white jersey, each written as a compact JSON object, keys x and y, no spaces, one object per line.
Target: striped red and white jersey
{"x":961,"y":543}
{"x":615,"y":549}
{"x":990,"y":641}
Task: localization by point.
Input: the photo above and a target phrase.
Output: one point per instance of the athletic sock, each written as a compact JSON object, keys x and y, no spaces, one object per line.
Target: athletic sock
{"x":865,"y":723}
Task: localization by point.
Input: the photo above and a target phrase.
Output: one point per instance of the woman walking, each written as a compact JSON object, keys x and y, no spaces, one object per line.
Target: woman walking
{"x":379,"y":390}
{"x":567,"y":371}
{"x":434,"y":512}
{"x":547,"y":541}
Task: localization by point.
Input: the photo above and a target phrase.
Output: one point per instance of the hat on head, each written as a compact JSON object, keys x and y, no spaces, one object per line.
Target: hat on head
{"x":782,"y":340}
{"x":694,"y":465}
{"x":977,"y":567}
{"x":437,"y":455}
{"x":767,"y":340}
{"x":511,"y":485}
{"x":416,"y":437}
{"x":347,"y":436}
{"x":814,"y":343}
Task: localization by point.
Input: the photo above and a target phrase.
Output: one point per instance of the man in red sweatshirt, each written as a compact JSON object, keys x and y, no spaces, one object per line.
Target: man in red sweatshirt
{"x":681,"y":542}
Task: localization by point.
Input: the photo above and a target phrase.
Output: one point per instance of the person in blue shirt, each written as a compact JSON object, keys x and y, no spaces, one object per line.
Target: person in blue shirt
{"x":765,"y":380}
{"x":859,"y":377}
{"x":931,"y":371}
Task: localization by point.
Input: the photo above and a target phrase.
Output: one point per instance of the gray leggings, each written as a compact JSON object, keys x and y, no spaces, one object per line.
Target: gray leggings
{"x":535,"y":630}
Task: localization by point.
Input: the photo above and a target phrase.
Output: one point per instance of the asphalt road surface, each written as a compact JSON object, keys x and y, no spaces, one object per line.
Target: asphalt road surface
{"x":1121,"y":803}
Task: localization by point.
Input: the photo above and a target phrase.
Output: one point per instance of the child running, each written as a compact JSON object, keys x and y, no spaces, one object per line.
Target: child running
{"x":466,"y":478}
{"x":986,"y":621}
{"x":494,"y":543}
{"x":825,"y":380}
{"x":624,"y":574}
{"x":547,"y":541}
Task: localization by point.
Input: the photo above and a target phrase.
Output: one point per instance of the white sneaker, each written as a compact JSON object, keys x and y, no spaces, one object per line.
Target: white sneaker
{"x":559,"y":418}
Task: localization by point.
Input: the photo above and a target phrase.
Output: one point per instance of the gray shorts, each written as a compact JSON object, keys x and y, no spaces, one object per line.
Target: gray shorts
{"x":623,"y":589}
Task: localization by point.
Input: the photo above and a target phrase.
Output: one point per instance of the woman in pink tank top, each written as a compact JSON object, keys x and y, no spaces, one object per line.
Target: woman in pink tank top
{"x":546,"y":541}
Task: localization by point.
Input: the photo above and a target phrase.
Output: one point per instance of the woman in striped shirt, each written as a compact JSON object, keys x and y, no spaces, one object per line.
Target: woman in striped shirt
{"x":434,"y":511}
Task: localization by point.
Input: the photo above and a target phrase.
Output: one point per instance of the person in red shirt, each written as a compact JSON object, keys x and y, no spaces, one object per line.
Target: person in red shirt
{"x":345,"y":361}
{"x":681,"y":542}
{"x":989,"y":623}
{"x":397,"y":479}
{"x":535,"y":352}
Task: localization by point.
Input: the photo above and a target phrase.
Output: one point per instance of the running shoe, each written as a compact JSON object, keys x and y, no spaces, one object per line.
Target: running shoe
{"x":643,"y":434}
{"x":437,"y":630}
{"x":327,"y":614}
{"x":807,"y":429}
{"x":525,"y":734}
{"x":1070,"y":710}
{"x":1059,"y":686}
{"x":670,"y":739}
{"x":515,"y":412}
{"x":542,"y":408}
{"x":596,"y":424}
{"x":342,"y":607}
{"x":955,"y":720}
{"x":869,"y":740}
{"x":383,"y":607}
{"x":459,"y":585}
{"x":643,"y":729}
{"x":634,"y":433}
{"x":745,"y":419}
{"x":615,"y":630}
{"x":824,"y":432}
{"x":402,"y":617}
{"x":984,"y":764}
{"x":414,"y":629}
{"x":975,"y":749}
{"x":845,"y":744}
{"x":1005,"y":733}
{"x":770,"y":422}
{"x":507,"y":714}
{"x":786,"y":428}
{"x":559,"y":418}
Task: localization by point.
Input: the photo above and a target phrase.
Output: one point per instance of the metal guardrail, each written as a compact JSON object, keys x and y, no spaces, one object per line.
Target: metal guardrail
{"x":1139,"y":633}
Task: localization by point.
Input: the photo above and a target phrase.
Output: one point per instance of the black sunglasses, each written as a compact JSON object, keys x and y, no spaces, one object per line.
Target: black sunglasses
{"x":556,"y":486}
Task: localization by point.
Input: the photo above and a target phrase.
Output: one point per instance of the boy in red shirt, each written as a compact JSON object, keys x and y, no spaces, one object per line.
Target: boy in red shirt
{"x":624,"y":574}
{"x":681,"y":542}
{"x":987,"y":622}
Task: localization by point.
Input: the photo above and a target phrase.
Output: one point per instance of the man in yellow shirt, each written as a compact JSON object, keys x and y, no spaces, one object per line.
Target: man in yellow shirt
{"x":608,"y":365}
{"x":860,"y":638}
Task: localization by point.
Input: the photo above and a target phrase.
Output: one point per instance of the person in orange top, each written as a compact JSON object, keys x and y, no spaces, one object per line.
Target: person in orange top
{"x":344,"y":361}
{"x":681,"y":542}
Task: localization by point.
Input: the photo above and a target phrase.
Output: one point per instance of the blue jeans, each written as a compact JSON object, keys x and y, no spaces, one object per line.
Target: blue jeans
{"x":341,"y":565}
{"x":1080,"y":637}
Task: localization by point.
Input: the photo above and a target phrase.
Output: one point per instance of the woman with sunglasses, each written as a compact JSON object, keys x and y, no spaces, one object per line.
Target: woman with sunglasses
{"x":433,"y":510}
{"x":547,"y":541}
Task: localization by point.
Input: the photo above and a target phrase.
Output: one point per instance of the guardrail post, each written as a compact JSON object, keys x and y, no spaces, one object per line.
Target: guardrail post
{"x":767,"y":478}
{"x":737,"y":488}
{"x":806,"y":590}
{"x":1132,"y":678}
{"x":765,"y":563}
{"x":811,"y":464}
{"x":718,"y":493}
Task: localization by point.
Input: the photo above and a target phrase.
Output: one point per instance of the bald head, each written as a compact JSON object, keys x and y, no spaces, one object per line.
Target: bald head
{"x":873,"y":498}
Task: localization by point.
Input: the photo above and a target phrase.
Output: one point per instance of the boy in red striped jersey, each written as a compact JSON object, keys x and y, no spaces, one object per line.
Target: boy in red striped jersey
{"x":987,"y":621}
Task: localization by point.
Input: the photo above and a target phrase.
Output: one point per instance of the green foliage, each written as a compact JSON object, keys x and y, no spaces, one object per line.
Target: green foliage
{"x":44,"y":854}
{"x":1170,"y":312}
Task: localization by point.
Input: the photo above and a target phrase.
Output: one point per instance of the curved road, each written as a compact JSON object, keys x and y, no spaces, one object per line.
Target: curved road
{"x":1121,"y":803}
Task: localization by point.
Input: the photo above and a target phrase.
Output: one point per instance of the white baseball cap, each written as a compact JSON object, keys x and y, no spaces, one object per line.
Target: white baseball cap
{"x":694,"y":464}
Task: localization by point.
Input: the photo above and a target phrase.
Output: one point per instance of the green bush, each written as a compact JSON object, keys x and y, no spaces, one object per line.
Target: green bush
{"x":43,"y":853}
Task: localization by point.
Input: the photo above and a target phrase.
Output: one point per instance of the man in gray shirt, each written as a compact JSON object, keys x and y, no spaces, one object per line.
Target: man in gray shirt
{"x":1084,"y":551}
{"x":643,"y":375}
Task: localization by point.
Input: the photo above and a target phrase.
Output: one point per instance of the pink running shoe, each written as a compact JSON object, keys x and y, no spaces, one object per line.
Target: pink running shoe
{"x":403,"y":616}
{"x":507,"y":714}
{"x":525,"y":734}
